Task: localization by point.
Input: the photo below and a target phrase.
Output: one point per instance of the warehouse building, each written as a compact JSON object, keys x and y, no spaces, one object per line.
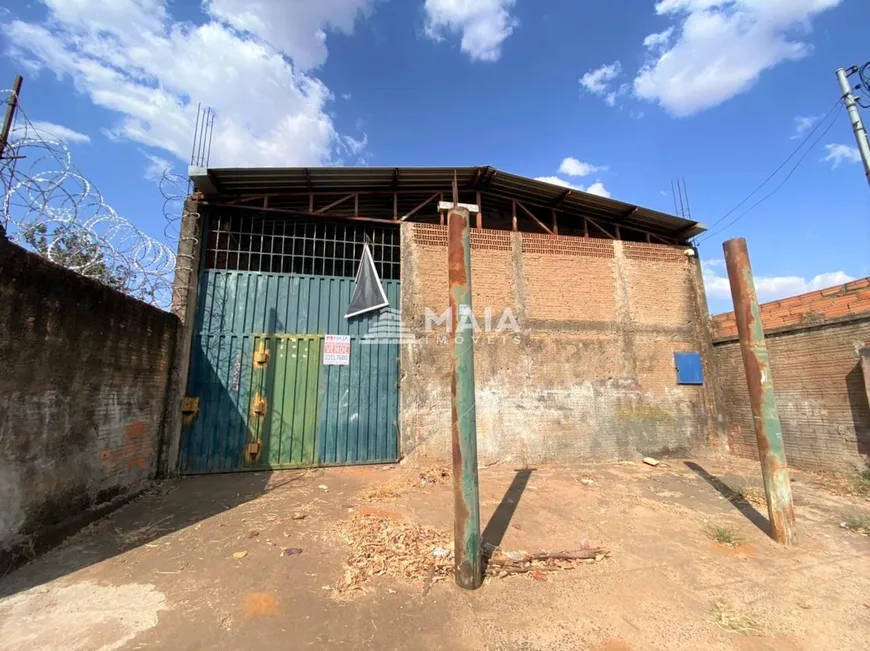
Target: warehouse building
{"x":592,"y":342}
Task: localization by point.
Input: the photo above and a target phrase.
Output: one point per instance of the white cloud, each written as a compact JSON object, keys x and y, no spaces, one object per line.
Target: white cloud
{"x":555,"y":180}
{"x":598,"y":82}
{"x":574,"y":167}
{"x":296,"y":27}
{"x":659,"y":41}
{"x":596,"y":188}
{"x":51,"y":131}
{"x":721,"y":49}
{"x":599,"y":189}
{"x":804,"y":124}
{"x":156,"y":167}
{"x":484,"y":24}
{"x":839,"y":153}
{"x":769,"y":288}
{"x":354,"y":146}
{"x":132,"y":58}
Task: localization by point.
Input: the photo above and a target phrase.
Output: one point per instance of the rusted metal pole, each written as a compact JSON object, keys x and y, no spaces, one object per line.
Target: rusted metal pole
{"x":466,"y":501}
{"x":479,"y":212}
{"x":10,"y":114}
{"x":756,"y":361}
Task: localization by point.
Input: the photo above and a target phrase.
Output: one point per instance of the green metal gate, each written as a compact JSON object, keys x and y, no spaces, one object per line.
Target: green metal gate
{"x":285,"y":397}
{"x":265,"y":398}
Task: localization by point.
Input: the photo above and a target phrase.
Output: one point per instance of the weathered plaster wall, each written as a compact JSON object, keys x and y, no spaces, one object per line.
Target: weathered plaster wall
{"x":814,"y":341}
{"x":590,"y":375}
{"x":83,"y":389}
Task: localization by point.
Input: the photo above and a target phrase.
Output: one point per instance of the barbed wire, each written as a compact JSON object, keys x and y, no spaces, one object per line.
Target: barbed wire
{"x":51,"y":208}
{"x":175,"y":189}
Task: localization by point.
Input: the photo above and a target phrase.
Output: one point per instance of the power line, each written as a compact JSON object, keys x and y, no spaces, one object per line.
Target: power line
{"x":776,"y":171}
{"x":710,"y":233}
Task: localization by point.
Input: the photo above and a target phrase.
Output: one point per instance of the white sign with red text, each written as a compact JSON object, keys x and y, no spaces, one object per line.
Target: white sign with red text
{"x":336,"y":350}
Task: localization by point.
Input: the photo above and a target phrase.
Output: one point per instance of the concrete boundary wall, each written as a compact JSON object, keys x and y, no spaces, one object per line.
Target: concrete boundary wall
{"x":87,"y":376}
{"x":589,"y":376}
{"x":814,"y":341}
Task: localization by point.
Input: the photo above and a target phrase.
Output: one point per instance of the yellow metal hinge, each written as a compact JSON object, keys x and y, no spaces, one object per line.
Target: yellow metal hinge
{"x":189,"y":410}
{"x":261,"y":356}
{"x":258,"y":406}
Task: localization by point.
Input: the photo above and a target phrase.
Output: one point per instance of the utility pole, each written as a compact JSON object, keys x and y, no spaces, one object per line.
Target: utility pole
{"x":855,"y":118}
{"x":762,"y":397}
{"x":466,"y":492}
{"x":10,"y":114}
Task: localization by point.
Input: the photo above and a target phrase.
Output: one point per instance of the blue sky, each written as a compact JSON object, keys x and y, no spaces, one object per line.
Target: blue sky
{"x":616,"y":98}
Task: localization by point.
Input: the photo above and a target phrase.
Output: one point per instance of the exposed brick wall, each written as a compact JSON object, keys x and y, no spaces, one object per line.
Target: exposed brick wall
{"x":590,"y":375}
{"x":568,"y":275}
{"x":814,"y":342}
{"x":82,"y":394}
{"x":821,"y":306}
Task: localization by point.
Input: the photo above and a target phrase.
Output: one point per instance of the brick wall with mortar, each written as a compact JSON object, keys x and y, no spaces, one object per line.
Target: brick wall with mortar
{"x":589,"y":376}
{"x":86,"y":374}
{"x":814,"y":341}
{"x":185,"y":287}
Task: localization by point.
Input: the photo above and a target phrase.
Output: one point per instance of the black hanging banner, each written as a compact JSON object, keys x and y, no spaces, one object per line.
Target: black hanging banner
{"x":368,"y":294}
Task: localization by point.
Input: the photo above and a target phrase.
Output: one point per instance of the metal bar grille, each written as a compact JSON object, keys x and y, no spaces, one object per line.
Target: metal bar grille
{"x":321,"y":248}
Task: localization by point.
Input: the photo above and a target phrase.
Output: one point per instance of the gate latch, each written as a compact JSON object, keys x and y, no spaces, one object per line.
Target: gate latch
{"x":189,"y":410}
{"x":261,"y":357}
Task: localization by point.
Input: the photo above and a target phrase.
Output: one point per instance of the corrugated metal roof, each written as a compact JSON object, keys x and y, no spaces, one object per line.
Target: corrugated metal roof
{"x":245,"y":181}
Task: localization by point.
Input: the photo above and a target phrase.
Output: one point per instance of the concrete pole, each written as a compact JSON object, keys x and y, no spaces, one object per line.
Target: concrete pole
{"x":466,"y":500}
{"x":855,"y":119}
{"x":762,"y":397}
{"x":185,"y":289}
{"x":10,"y":114}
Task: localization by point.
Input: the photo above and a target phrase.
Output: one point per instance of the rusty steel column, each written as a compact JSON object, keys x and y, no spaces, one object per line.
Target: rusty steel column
{"x":10,"y":114}
{"x":756,"y":361}
{"x":466,"y":501}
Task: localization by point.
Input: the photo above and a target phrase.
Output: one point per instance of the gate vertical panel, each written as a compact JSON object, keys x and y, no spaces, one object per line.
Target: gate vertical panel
{"x":360,"y":402}
{"x":348,"y":414}
{"x":290,"y":429}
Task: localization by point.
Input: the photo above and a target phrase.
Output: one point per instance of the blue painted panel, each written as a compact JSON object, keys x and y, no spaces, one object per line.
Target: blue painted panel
{"x":358,"y":404}
{"x":689,"y":368}
{"x":220,"y":376}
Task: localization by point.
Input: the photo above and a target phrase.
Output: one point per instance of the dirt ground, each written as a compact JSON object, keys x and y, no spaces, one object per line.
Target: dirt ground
{"x":212,"y":562}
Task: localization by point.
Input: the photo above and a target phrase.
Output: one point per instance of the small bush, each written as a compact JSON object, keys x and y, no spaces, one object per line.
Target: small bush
{"x":858,"y":523}
{"x":862,"y":482}
{"x":724,"y":535}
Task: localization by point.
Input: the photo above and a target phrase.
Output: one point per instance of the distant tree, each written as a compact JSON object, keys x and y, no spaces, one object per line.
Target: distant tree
{"x":75,"y":250}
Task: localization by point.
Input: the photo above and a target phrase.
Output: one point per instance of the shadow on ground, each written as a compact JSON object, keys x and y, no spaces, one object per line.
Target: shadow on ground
{"x":745,"y":508}
{"x":170,"y":506}
{"x":497,"y":526}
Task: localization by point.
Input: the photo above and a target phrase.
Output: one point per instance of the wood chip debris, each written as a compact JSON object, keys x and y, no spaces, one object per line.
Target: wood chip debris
{"x":382,"y":546}
{"x":423,"y":555}
{"x":403,"y":483}
{"x":501,"y":563}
